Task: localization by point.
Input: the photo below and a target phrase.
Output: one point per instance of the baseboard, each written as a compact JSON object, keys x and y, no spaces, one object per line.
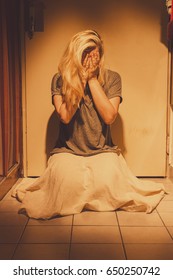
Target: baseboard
{"x":170,"y":172}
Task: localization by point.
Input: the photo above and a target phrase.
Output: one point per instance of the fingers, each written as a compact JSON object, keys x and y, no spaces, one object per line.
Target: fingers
{"x":90,"y":66}
{"x":86,"y":63}
{"x":91,"y":59}
{"x":95,"y":56}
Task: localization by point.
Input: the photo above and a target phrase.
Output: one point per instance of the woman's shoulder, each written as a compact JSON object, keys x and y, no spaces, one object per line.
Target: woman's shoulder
{"x":56,"y":81}
{"x":112,"y":84}
{"x":111,"y":75}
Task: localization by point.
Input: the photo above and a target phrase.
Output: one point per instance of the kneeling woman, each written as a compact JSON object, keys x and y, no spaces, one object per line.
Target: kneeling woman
{"x":86,"y":170}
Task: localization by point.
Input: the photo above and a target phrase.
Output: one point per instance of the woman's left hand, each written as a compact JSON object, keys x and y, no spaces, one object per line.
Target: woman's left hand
{"x":91,"y":66}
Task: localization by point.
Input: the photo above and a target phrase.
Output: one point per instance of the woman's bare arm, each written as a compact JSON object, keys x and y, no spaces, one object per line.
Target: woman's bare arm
{"x":64,"y":114}
{"x":107,"y":108}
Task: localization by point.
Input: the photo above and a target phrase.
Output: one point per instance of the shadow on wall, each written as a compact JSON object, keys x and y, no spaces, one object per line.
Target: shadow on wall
{"x":117,"y":134}
{"x":164,"y":19}
{"x":51,"y":133}
{"x":97,"y":12}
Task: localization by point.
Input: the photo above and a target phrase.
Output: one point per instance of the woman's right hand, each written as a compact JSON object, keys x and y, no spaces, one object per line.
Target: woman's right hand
{"x":91,"y":66}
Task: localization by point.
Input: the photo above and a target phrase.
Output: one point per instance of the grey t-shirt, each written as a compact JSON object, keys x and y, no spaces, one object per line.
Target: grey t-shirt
{"x":87,"y":134}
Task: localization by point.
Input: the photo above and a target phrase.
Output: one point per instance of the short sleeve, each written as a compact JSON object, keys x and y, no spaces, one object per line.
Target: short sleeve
{"x":113,"y":85}
{"x":56,"y":85}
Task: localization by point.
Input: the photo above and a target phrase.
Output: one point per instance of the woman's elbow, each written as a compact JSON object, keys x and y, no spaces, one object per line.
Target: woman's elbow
{"x":110,"y":118}
{"x":64,"y":119}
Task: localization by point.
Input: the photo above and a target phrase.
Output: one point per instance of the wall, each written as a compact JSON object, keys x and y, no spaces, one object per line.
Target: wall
{"x":171,"y":140}
{"x":134,"y":37}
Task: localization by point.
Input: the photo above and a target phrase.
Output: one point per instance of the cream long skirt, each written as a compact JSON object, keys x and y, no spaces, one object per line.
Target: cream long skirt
{"x":73,"y":183}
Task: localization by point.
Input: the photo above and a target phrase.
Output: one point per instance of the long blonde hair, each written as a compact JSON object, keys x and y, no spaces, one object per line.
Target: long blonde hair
{"x":70,"y":66}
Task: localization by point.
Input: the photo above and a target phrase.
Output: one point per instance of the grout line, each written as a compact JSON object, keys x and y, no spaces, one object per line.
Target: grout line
{"x":74,"y":243}
{"x":71,"y":238}
{"x":33,"y":243}
{"x":95,"y":225}
{"x":19,"y":238}
{"x":49,"y":225}
{"x":111,"y":243}
{"x":123,"y":245}
{"x":166,"y":227}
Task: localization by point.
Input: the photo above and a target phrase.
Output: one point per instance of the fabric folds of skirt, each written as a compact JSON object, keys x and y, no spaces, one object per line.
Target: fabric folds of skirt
{"x":101,"y":182}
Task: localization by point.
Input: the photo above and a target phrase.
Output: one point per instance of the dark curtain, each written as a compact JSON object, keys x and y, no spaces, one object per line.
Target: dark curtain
{"x":10,"y":86}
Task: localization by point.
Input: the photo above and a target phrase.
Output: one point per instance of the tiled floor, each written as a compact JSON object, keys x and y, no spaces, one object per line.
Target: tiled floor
{"x":89,"y":235}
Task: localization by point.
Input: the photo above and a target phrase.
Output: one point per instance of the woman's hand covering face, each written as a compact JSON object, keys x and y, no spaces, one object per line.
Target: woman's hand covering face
{"x":91,"y":62}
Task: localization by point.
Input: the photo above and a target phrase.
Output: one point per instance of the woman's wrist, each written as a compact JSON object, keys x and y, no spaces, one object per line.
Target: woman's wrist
{"x":92,"y":79}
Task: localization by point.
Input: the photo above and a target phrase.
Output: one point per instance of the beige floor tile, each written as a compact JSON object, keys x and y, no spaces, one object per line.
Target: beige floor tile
{"x":139,"y":219}
{"x":167,"y":218}
{"x":97,"y":252}
{"x":158,"y":180}
{"x":17,"y":182}
{"x":169,"y":188}
{"x":167,"y":183}
{"x":165,"y":206}
{"x":8,"y":195}
{"x":12,"y":219}
{"x":170,"y":229}
{"x":42,"y":252}
{"x":145,"y":235}
{"x":95,"y":234}
{"x":95,"y":218}
{"x":57,"y":221}
{"x":6,"y":251}
{"x":168,"y":197}
{"x":10,"y":234}
{"x":28,"y":181}
{"x":149,"y":251}
{"x":10,"y":205}
{"x":46,"y":234}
